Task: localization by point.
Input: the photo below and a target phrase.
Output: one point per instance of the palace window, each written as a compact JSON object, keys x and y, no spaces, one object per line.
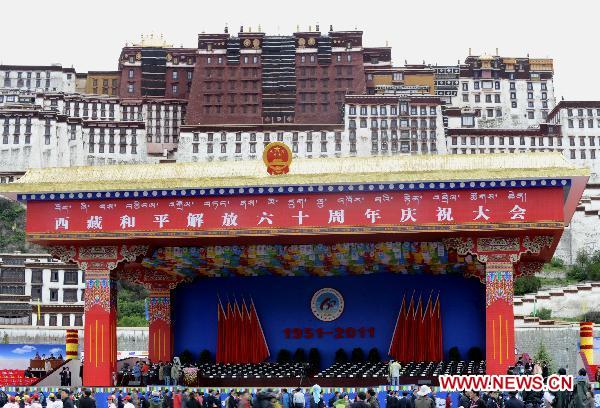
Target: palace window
{"x":54,"y":295}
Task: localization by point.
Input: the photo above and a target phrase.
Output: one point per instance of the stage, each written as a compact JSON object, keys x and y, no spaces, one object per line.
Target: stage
{"x":413,"y":256}
{"x":371,"y":306}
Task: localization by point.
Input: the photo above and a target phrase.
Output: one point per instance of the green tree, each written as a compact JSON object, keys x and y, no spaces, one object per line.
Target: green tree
{"x":527,"y":284}
{"x":131,"y":307}
{"x":543,"y":313}
{"x":586,"y":266}
{"x":591,"y":316}
{"x":131,"y":321}
{"x":543,"y":355}
{"x":557,"y":262}
{"x":12,"y":228}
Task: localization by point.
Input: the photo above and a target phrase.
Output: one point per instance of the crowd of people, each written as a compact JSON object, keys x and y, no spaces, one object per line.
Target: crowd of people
{"x":50,"y":357}
{"x":162,"y":373}
{"x":37,"y":399}
{"x":418,"y":397}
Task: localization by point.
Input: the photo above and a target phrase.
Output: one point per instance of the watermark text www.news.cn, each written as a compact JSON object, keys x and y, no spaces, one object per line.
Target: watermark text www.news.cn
{"x":506,"y":382}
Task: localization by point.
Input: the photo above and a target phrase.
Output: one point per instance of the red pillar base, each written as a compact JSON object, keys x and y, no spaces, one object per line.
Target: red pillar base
{"x":100,"y":347}
{"x":499,"y":316}
{"x":160,"y":344}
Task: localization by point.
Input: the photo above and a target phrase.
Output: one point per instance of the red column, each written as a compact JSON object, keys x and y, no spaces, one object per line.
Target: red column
{"x":499,"y":316}
{"x":100,"y":330}
{"x":160,"y":344}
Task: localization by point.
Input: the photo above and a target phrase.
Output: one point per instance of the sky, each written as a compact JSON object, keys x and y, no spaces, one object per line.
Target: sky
{"x":435,"y":31}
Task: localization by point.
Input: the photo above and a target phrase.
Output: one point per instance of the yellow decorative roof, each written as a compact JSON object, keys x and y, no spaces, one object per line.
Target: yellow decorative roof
{"x":152,"y":41}
{"x":486,"y":57}
{"x":302,"y":171}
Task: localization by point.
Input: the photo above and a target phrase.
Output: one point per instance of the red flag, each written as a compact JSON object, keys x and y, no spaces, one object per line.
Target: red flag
{"x":410,"y":331}
{"x":439,"y":345}
{"x":426,"y":332}
{"x":395,"y":349}
{"x":228,"y":333}
{"x":221,"y":324}
{"x":261,"y":349}
{"x":253,"y":336}
{"x":238,"y":333}
{"x":418,"y":330}
{"x":246,"y":333}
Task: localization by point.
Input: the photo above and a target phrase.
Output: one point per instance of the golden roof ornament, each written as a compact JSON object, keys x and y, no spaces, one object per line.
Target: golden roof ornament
{"x":152,"y":41}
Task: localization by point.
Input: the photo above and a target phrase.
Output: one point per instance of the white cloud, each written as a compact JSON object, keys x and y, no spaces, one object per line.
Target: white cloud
{"x":24,"y":349}
{"x":55,"y":350}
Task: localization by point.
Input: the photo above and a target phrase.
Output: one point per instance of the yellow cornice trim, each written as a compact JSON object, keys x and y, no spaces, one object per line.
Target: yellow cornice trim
{"x":302,"y":171}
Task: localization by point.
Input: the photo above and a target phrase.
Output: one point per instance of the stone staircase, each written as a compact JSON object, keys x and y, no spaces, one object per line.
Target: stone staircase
{"x":583,"y":233}
{"x":569,"y":301}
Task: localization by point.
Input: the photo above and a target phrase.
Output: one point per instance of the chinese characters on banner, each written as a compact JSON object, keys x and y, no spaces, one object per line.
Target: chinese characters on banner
{"x":326,"y":210}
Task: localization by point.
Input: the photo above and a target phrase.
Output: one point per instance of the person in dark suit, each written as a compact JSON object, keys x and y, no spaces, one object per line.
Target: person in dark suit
{"x":193,"y":402}
{"x":463,"y":401}
{"x":360,"y":402}
{"x":63,"y":377}
{"x":87,"y":401}
{"x":404,"y":402}
{"x":65,"y":396}
{"x":68,"y":377}
{"x":513,"y":401}
{"x":392,"y":400}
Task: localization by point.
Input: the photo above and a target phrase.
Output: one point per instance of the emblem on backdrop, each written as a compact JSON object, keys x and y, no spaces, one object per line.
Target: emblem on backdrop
{"x":277,"y":157}
{"x":327,"y":304}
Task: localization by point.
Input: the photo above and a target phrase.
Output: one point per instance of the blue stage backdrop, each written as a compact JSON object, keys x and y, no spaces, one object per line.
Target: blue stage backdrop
{"x":371,"y":305}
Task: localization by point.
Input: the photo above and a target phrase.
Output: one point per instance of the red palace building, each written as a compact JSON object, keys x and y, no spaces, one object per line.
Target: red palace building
{"x":253,"y":78}
{"x":326,"y":256}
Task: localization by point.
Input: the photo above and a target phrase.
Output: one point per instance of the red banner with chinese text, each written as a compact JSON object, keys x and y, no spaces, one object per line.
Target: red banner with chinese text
{"x":287,"y":211}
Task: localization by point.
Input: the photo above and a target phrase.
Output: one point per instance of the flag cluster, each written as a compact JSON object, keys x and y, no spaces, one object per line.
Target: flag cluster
{"x":240,"y":337}
{"x":418,"y":332}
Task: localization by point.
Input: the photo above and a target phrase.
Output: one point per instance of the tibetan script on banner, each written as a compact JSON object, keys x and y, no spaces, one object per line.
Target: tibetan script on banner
{"x":314,"y":210}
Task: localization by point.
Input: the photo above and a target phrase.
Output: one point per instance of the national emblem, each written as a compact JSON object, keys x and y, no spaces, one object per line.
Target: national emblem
{"x":277,"y":156}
